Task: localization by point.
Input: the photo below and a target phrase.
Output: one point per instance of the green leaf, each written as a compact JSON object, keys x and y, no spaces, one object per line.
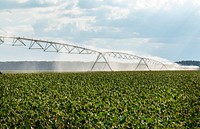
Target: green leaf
{"x":122,"y":119}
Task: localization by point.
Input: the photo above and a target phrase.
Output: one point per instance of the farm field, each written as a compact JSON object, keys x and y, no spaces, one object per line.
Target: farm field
{"x":146,"y":99}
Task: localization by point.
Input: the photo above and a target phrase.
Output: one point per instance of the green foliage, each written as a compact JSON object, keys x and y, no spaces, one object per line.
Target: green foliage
{"x":100,"y":100}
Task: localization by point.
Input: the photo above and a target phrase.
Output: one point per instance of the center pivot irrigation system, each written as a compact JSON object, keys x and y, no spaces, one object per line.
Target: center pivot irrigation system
{"x":102,"y":57}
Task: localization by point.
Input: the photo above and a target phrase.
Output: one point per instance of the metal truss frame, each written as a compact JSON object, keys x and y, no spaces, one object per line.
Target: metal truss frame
{"x":101,"y":56}
{"x":49,"y":46}
{"x":128,"y":56}
{"x":2,"y":40}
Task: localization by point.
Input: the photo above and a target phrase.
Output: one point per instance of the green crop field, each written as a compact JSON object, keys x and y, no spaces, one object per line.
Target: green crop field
{"x":167,"y":99}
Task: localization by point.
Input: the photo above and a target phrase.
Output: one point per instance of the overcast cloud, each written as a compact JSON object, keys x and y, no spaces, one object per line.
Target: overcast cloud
{"x":165,"y":28}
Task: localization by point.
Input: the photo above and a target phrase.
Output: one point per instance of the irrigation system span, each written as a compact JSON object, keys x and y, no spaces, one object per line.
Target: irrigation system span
{"x":102,"y":57}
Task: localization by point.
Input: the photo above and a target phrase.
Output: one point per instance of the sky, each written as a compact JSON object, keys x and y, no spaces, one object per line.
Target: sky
{"x":168,"y":29}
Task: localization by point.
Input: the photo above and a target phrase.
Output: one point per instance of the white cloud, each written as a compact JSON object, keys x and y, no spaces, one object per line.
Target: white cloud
{"x":50,"y":1}
{"x":118,"y":13}
{"x":56,"y":17}
{"x":21,"y":30}
{"x":196,"y":3}
{"x":149,"y":4}
{"x":135,"y":25}
{"x":22,"y":1}
{"x":83,"y":24}
{"x":152,"y":4}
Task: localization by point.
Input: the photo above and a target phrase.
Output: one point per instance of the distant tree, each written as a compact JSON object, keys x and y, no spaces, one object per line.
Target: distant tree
{"x":1,"y":72}
{"x":189,"y":63}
